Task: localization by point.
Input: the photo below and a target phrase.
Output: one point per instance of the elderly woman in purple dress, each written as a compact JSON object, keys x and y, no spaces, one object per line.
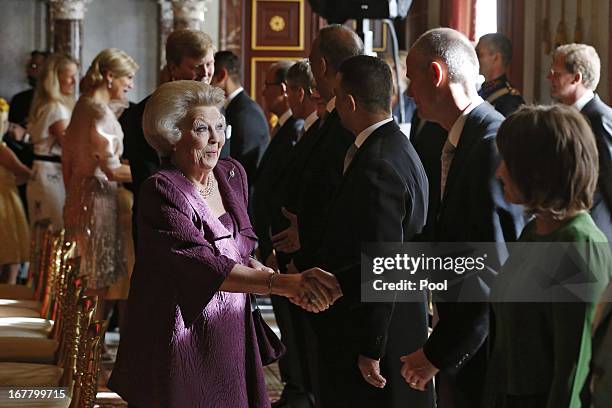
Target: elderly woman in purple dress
{"x":190,"y":339}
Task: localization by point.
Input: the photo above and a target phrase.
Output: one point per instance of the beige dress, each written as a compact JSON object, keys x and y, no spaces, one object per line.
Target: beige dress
{"x":94,"y":140}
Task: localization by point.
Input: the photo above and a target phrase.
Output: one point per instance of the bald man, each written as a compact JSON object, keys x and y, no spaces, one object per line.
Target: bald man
{"x":443,"y":68}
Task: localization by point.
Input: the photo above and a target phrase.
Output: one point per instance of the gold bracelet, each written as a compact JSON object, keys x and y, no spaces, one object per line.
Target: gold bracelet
{"x":270,"y":282}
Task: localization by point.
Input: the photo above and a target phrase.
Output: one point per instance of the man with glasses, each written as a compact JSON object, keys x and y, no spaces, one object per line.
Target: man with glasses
{"x":268,"y":188}
{"x":249,"y":135}
{"x":574,"y":75}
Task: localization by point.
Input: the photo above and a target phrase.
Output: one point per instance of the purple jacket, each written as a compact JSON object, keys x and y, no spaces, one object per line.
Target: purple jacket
{"x":186,"y":343}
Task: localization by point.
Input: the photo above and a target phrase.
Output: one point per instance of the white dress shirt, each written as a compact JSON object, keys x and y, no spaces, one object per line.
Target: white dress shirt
{"x":310,"y":120}
{"x":360,"y":140}
{"x":284,"y":118}
{"x":583,"y":100}
{"x":231,"y":96}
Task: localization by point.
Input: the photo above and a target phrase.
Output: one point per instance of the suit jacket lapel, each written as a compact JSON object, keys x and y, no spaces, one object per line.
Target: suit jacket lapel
{"x":469,"y":135}
{"x":380,"y":132}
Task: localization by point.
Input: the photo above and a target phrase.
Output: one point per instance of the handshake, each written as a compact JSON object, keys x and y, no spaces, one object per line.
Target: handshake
{"x":316,"y":290}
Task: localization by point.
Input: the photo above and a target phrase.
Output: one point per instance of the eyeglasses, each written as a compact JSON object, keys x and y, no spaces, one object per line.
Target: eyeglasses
{"x":557,"y":74}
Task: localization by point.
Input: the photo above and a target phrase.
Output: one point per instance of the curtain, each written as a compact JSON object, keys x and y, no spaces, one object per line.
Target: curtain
{"x":459,"y":15}
{"x":511,"y":22}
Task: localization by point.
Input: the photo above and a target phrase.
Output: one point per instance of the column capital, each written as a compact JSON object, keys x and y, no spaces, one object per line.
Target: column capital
{"x":190,"y":9}
{"x":69,"y":9}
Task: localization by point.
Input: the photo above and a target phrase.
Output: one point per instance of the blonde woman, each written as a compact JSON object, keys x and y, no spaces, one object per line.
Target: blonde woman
{"x":49,"y":115}
{"x":92,"y":169}
{"x":14,"y":233}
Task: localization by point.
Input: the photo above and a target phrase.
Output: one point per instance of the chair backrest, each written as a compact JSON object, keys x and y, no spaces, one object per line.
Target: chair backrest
{"x":56,"y":259}
{"x":86,"y":379}
{"x":73,"y":343}
{"x":39,"y":247}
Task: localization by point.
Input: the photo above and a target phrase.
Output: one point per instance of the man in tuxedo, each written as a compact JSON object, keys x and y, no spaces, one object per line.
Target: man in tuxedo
{"x":574,"y":75}
{"x":189,"y":56}
{"x":249,"y":128}
{"x":443,"y":69}
{"x":382,"y":197}
{"x":322,"y":171}
{"x":494,"y":52}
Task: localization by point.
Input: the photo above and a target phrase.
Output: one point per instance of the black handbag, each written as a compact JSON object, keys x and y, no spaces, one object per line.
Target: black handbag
{"x":270,"y":346}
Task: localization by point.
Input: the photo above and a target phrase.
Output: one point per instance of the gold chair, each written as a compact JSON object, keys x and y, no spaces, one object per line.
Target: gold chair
{"x":56,"y":256}
{"x":72,"y":370}
{"x":88,"y":366}
{"x":23,"y":343}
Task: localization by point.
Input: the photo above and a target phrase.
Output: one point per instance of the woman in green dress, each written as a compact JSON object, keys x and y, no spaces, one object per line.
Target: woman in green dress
{"x":542,"y":323}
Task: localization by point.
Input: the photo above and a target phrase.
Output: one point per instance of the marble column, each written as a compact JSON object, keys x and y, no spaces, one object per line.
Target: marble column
{"x":67,"y":27}
{"x":189,"y":13}
{"x":165,"y":26}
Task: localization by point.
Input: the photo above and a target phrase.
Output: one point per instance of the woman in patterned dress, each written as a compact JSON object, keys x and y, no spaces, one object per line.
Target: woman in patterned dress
{"x":49,"y":115}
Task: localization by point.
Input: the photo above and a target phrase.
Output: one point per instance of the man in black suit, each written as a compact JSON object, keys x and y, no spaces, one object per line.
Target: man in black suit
{"x":267,"y":187}
{"x":305,"y":103}
{"x":574,"y":75}
{"x":322,"y":171}
{"x":249,"y":128}
{"x":494,"y":52}
{"x":276,"y":156}
{"x":382,"y":197}
{"x":443,"y":69}
{"x":189,"y":56}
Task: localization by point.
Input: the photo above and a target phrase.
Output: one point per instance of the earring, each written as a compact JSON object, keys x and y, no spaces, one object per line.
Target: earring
{"x":110,"y":83}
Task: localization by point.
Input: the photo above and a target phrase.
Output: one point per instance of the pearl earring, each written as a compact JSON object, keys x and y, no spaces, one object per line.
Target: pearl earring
{"x":110,"y":83}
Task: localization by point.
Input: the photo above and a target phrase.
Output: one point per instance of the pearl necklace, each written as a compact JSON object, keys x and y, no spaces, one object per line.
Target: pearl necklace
{"x":207,"y":190}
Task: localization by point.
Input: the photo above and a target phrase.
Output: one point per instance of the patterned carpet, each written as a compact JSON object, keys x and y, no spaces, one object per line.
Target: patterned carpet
{"x":108,"y":399}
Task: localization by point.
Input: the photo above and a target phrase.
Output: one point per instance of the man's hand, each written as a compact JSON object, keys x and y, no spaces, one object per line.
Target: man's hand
{"x":370,"y":370}
{"x":318,"y":290}
{"x":417,"y":370}
{"x":288,"y":240}
{"x":325,"y":279}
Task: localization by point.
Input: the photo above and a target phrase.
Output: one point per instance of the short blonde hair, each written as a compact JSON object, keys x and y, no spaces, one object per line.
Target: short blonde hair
{"x":112,"y":60}
{"x":169,"y":105}
{"x":187,"y":43}
{"x":583,"y":59}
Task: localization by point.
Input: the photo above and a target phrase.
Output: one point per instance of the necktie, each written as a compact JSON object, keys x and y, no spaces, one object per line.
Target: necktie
{"x":448,"y":151}
{"x":350,"y":153}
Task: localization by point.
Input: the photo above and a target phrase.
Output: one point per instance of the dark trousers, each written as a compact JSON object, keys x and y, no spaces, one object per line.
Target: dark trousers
{"x":295,"y":367}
